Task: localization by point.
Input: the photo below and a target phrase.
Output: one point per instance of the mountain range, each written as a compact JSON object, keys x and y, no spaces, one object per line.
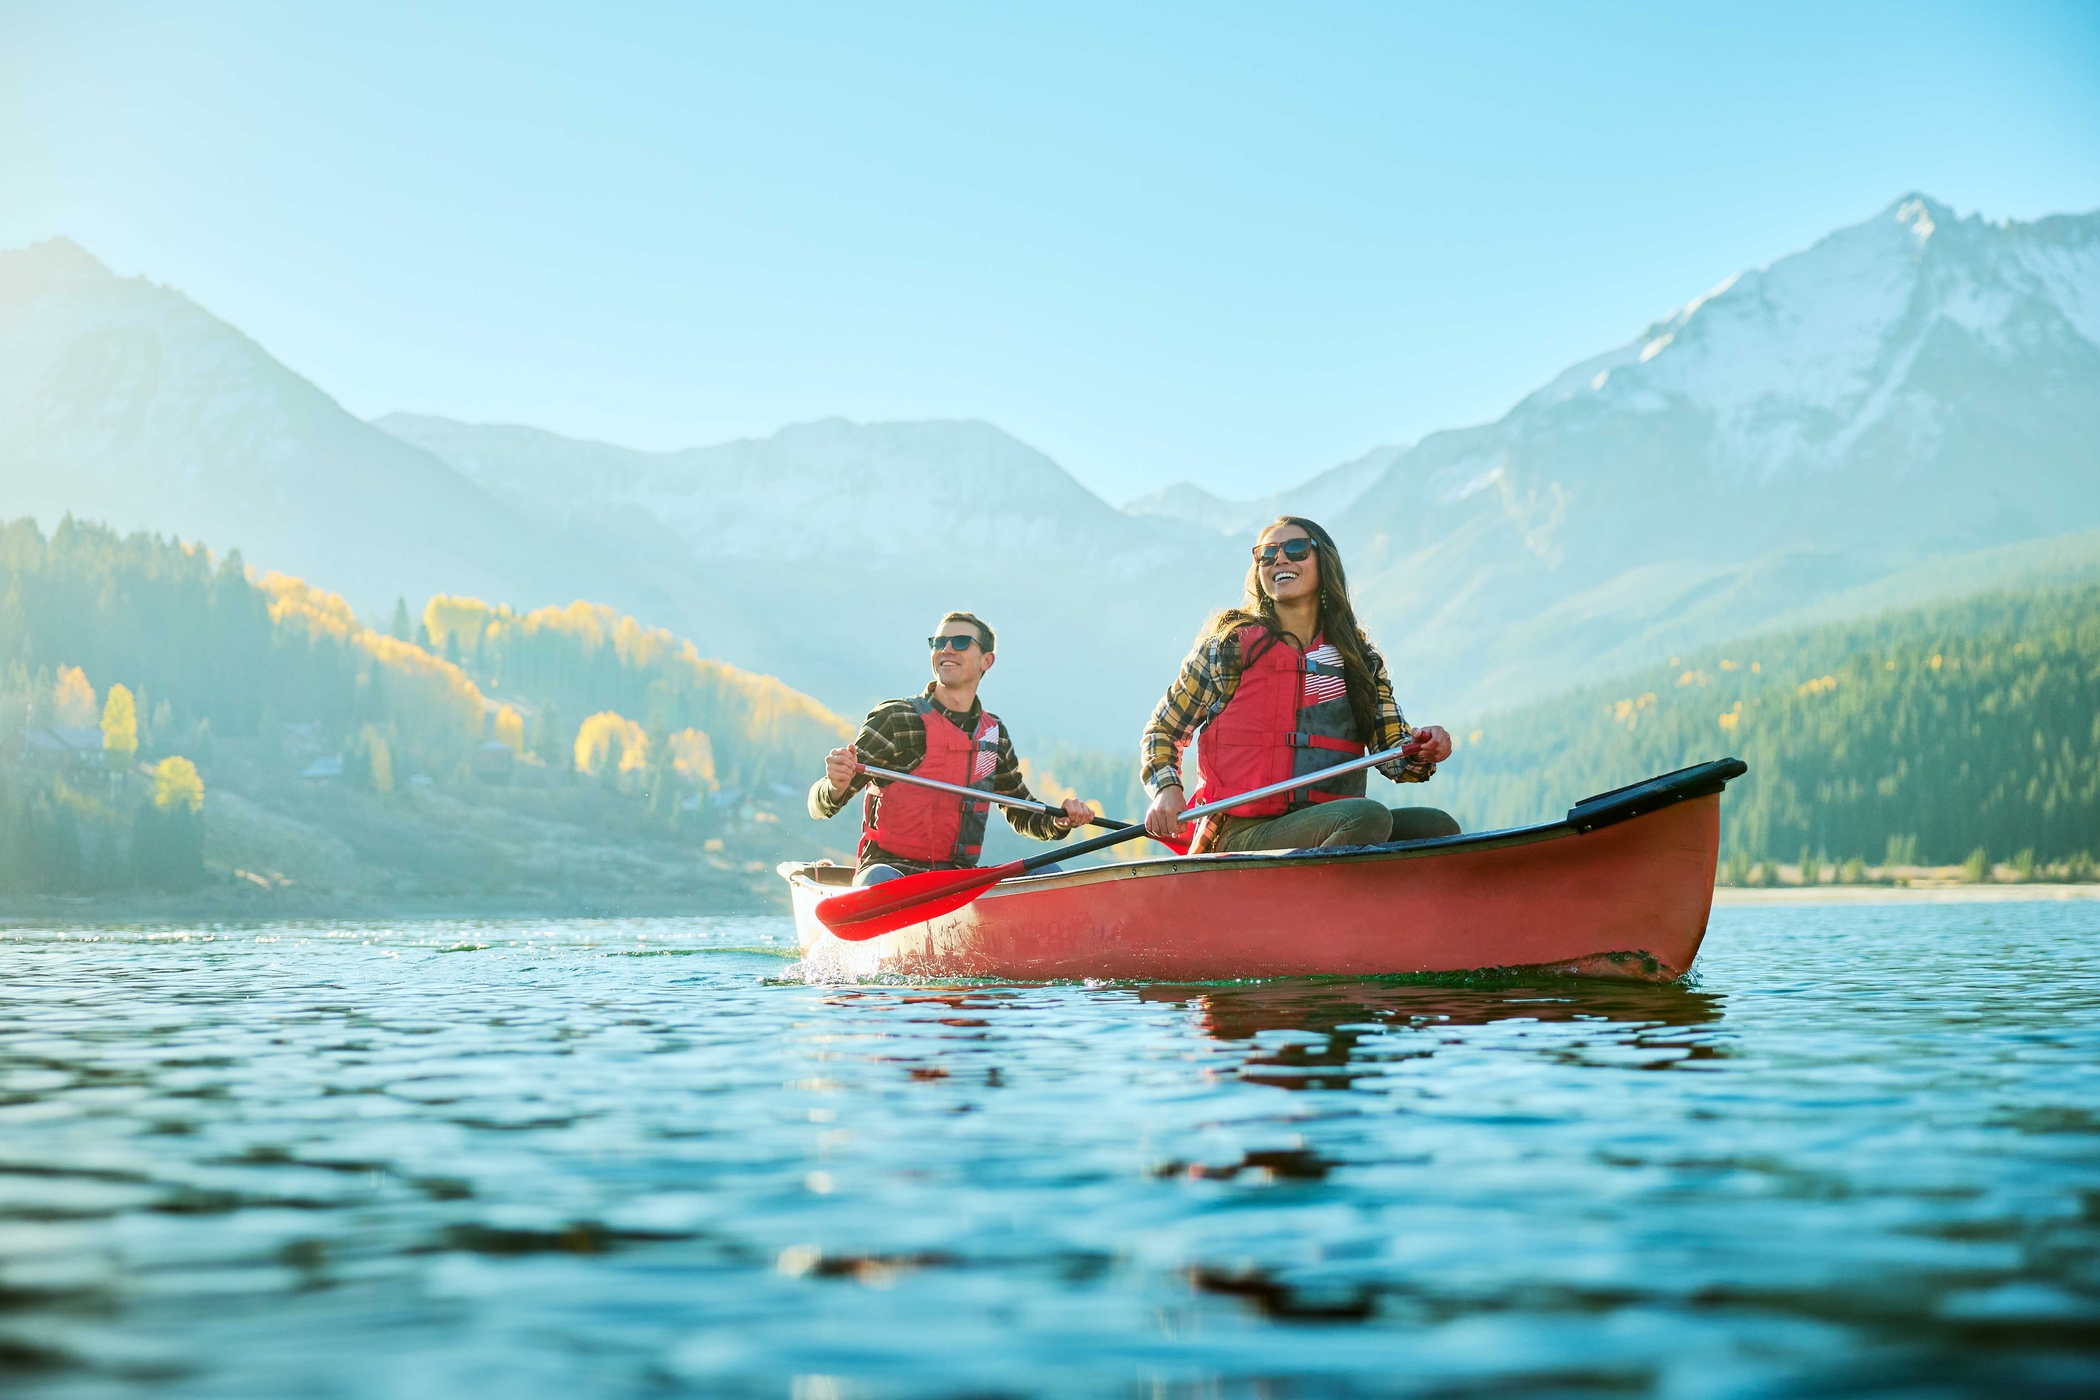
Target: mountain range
{"x":1911,"y":388}
{"x":1878,"y":414}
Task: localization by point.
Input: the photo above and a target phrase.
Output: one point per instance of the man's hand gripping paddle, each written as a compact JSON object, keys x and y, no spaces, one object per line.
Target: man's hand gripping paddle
{"x":874,"y":910}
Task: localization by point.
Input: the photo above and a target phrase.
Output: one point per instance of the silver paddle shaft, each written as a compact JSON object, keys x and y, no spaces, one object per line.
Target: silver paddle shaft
{"x":1369,"y":760}
{"x":976,"y":794}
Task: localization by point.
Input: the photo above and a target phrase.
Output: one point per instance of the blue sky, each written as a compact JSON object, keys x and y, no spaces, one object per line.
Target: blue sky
{"x":1228,"y":244}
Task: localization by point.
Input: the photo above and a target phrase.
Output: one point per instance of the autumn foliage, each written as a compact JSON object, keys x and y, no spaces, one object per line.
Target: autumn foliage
{"x":588,"y":658}
{"x":608,"y":739}
{"x":197,"y":650}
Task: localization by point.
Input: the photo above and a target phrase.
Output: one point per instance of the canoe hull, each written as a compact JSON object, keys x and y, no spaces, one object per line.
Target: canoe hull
{"x":1628,"y":900}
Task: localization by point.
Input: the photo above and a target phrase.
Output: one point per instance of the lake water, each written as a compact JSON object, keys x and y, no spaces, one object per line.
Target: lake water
{"x":1860,"y":1155}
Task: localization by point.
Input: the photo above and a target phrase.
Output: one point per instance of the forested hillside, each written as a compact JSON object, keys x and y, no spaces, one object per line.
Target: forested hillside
{"x":566,"y":662}
{"x":267,"y":677}
{"x":1930,"y":732}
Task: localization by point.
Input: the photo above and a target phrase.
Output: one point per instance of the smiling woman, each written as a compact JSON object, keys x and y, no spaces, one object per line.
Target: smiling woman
{"x":1286,"y":685}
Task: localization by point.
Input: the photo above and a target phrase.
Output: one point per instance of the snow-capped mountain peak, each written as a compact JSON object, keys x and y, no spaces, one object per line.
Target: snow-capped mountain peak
{"x":1797,"y":360}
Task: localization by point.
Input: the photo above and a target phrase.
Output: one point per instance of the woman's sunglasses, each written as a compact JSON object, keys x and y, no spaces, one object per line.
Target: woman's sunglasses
{"x":962,"y":641}
{"x":1297,"y":551}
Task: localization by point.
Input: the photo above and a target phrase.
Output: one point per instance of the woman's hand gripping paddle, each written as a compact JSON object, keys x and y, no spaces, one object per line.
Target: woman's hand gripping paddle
{"x":873,"y":910}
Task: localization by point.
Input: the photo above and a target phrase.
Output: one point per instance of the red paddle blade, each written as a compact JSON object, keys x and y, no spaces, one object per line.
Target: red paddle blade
{"x":873,"y":910}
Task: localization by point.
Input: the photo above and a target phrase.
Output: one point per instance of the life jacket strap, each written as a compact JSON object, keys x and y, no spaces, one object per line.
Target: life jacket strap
{"x":1299,"y":739}
{"x":977,"y":814}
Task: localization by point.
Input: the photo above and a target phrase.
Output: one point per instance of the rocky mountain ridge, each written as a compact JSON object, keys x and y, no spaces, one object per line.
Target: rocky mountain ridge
{"x":1911,"y":387}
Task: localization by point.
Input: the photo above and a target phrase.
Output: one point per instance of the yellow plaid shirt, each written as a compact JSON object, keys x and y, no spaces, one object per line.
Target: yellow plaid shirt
{"x":1207,"y":680}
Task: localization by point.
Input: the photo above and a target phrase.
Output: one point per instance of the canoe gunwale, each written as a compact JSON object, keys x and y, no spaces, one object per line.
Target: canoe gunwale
{"x":1221,"y":860}
{"x":1591,"y":814}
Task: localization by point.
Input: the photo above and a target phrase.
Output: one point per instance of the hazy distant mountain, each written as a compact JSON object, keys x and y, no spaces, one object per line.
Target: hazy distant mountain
{"x":1324,"y":498}
{"x":124,"y":401}
{"x":814,"y":492}
{"x":845,"y":542}
{"x":1911,"y":387}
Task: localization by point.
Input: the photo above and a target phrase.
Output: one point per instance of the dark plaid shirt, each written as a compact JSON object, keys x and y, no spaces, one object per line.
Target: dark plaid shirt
{"x":894,"y":736}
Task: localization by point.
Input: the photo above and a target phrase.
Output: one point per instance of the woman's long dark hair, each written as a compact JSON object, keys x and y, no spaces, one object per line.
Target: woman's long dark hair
{"x":1338,"y":624}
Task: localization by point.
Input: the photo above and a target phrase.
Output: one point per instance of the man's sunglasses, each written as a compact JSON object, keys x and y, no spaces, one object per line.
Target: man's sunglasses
{"x":1297,"y":551}
{"x":962,"y":641}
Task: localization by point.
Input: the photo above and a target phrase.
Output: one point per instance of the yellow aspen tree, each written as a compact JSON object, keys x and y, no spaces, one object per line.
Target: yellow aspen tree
{"x":634,"y":754}
{"x":447,"y":616}
{"x":510,"y":729}
{"x":176,"y":784}
{"x":73,"y":699}
{"x":693,"y":758}
{"x":120,"y":727}
{"x":594,"y":740}
{"x":606,"y":734}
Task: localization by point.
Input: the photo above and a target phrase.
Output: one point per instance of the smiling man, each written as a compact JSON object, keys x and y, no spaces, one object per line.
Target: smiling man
{"x":946,"y":734}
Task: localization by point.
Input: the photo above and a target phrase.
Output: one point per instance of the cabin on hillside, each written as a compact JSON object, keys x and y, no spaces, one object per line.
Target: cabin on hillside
{"x":53,"y":748}
{"x":326,"y":768}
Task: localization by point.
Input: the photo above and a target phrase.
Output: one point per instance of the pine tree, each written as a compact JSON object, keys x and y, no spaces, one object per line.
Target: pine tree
{"x":548,"y":741}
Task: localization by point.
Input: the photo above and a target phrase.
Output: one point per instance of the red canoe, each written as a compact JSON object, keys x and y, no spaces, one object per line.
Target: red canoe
{"x":1621,"y":888}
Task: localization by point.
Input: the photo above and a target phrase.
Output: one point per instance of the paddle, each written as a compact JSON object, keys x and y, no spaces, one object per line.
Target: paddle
{"x":873,"y":910}
{"x":979,"y":795}
{"x":1178,"y":847}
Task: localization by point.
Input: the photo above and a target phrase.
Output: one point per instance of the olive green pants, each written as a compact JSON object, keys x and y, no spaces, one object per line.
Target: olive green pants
{"x":1352,"y":821}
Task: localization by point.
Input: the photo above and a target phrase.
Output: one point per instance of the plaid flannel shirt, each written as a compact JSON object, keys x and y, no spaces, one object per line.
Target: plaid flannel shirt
{"x":1208,"y":679}
{"x":894,"y":736}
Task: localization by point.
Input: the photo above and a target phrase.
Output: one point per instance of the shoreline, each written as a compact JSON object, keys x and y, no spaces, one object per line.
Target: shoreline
{"x":227,"y":908}
{"x":236,"y":908}
{"x":1732,"y":895}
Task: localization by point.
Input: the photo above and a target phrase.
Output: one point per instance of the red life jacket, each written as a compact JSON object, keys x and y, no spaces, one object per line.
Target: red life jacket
{"x":921,"y":824}
{"x":1272,"y":729}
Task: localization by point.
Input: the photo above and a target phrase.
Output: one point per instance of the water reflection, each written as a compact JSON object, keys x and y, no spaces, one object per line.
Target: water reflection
{"x":1358,"y":1029}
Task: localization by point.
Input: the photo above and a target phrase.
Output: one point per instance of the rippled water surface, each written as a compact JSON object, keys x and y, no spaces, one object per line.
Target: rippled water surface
{"x":1860,"y":1155}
